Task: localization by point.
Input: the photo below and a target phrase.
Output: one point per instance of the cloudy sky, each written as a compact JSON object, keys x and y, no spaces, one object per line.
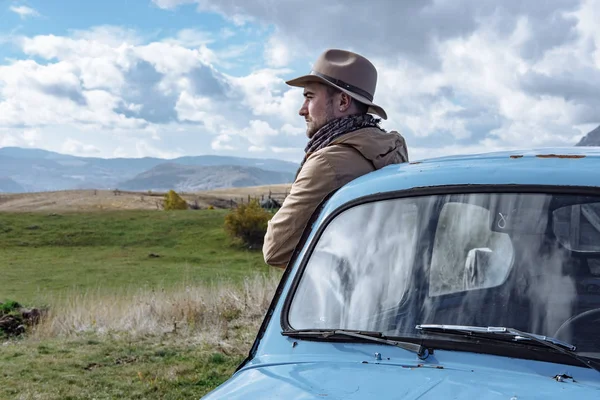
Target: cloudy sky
{"x":167,"y":78}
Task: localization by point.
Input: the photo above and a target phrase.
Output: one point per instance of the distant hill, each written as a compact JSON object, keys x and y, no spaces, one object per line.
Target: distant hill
{"x":37,"y":170}
{"x":7,"y":185}
{"x":188,"y":178}
{"x":591,"y":139}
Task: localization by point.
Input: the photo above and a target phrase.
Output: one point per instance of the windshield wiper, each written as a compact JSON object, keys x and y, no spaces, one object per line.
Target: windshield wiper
{"x":371,"y":336}
{"x":514,"y":334}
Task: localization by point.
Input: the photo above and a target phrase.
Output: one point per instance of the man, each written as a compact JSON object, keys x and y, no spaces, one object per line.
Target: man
{"x":345,"y":142}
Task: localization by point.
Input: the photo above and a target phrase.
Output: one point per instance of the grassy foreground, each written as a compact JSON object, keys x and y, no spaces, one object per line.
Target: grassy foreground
{"x":105,"y":368}
{"x":47,"y":255}
{"x":142,"y":304}
{"x":146,"y":345}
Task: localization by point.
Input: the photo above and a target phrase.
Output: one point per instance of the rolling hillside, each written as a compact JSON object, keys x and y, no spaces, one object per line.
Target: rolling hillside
{"x":191,"y":178}
{"x":35,"y":170}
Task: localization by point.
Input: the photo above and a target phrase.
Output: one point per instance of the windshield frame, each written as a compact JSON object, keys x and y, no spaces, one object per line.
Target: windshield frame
{"x":422,"y":192}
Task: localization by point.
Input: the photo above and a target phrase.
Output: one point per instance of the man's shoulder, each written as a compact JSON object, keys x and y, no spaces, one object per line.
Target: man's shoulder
{"x":342,"y":159}
{"x":336,"y":153}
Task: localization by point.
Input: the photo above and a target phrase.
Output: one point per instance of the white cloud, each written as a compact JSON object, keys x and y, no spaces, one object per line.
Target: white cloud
{"x":31,"y":137}
{"x":65,"y":48}
{"x":476,"y":96}
{"x":120,"y":152}
{"x":24,"y":11}
{"x":172,"y":58}
{"x":277,"y":52}
{"x":144,"y":149}
{"x":222,"y":142}
{"x":227,"y":33}
{"x":201,"y":110}
{"x":169,"y":4}
{"x":191,"y":38}
{"x":292,"y":130}
{"x":112,"y":85}
{"x":8,"y":140}
{"x":264,"y":92}
{"x":241,"y":19}
{"x":113,"y":36}
{"x":257,"y":133}
{"x":53,"y":94}
{"x":20,"y":138}
{"x":72,"y":146}
{"x":470,"y":75}
{"x":460,"y":77}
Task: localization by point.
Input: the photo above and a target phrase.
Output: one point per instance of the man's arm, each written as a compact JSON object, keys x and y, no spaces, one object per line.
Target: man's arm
{"x":314,"y":182}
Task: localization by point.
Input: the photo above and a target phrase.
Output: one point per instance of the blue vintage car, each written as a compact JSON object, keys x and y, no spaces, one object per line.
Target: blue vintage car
{"x":472,"y":277}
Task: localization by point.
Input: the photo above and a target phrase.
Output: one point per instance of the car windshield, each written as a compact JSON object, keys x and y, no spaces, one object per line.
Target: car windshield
{"x":530,"y":261}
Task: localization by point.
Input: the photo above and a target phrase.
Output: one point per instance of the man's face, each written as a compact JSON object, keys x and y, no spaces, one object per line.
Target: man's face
{"x":317,"y":109}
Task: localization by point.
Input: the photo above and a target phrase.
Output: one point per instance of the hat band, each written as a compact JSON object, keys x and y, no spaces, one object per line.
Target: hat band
{"x":344,"y":85}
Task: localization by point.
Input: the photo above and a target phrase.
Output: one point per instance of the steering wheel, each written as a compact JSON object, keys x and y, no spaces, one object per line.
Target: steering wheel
{"x":576,"y":319}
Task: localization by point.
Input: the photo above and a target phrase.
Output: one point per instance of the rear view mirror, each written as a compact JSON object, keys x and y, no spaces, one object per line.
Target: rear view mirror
{"x":577,"y":227}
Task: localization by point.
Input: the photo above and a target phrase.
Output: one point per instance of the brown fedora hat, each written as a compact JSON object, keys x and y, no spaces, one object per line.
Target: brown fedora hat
{"x":349,"y":72}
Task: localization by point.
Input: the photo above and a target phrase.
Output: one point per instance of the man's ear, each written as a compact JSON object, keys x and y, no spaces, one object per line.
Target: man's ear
{"x":345,"y":102}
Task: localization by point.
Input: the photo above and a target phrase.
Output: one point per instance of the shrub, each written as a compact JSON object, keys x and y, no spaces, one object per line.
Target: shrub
{"x":9,"y":306}
{"x":174,"y":202}
{"x":15,"y":319}
{"x":248,"y":223}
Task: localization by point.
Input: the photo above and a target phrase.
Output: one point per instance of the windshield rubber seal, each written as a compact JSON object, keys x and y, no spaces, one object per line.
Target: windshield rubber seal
{"x":418,"y":192}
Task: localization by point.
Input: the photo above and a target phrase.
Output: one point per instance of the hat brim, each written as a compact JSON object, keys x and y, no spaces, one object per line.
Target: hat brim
{"x":303,"y":80}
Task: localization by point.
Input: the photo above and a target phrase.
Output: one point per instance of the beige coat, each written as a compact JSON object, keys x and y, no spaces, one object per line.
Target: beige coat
{"x":352,"y":155}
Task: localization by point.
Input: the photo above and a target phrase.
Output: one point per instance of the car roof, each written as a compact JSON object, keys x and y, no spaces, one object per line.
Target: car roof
{"x":568,"y":166}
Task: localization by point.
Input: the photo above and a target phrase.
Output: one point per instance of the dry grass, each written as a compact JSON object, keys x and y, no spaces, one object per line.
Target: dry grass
{"x":101,"y":200}
{"x":223,"y":315}
{"x":142,"y":344}
{"x":76,"y":200}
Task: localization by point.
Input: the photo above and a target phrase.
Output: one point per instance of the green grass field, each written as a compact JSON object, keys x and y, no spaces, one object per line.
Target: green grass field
{"x":92,"y":368}
{"x":143,"y":304}
{"x":44,"y":255}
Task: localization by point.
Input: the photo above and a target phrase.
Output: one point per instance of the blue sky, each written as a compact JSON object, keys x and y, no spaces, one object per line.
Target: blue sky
{"x":187,"y":77}
{"x":142,"y":17}
{"x":61,"y":17}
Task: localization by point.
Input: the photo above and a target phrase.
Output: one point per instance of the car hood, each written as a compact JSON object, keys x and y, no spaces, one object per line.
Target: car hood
{"x":378,"y":381}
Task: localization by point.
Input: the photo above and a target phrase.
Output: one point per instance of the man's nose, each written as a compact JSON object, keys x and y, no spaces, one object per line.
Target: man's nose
{"x":303,"y":110}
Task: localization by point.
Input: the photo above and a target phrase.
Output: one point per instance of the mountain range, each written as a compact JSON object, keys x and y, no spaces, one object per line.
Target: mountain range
{"x":36,"y":170}
{"x":591,"y":139}
{"x":186,"y":178}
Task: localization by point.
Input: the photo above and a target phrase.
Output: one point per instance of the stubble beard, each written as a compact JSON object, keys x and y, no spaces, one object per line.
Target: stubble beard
{"x":312,"y":126}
